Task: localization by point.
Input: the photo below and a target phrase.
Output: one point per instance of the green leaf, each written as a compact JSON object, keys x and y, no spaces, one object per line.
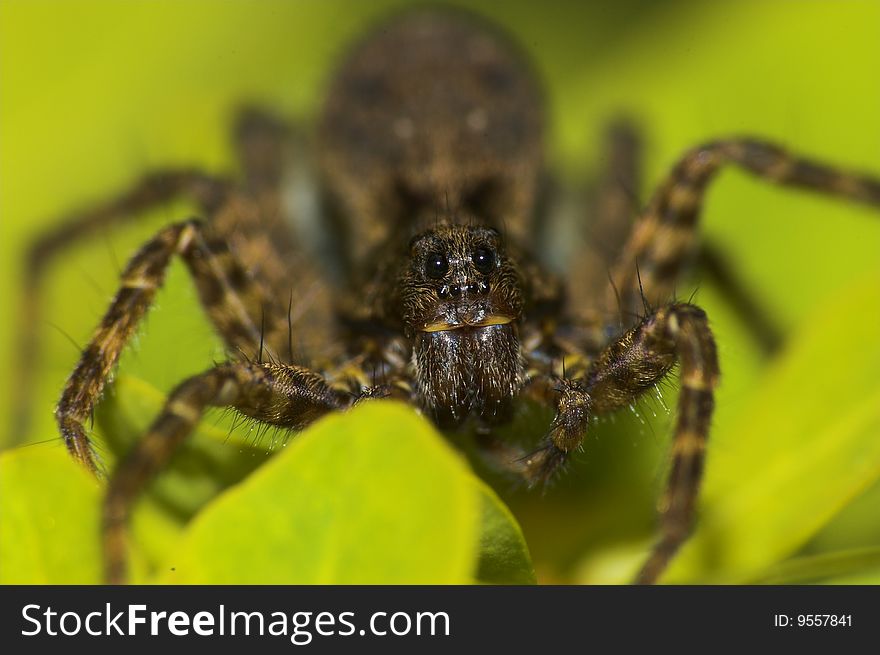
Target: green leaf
{"x":864,"y":577}
{"x":823,"y":568}
{"x":775,"y":478}
{"x":375,"y":495}
{"x":50,"y":508}
{"x":208,"y":462}
{"x":504,"y":555}
{"x":371,"y":496}
{"x":50,"y":519}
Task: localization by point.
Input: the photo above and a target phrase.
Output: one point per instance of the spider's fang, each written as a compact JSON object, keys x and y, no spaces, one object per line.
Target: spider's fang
{"x":442,"y":326}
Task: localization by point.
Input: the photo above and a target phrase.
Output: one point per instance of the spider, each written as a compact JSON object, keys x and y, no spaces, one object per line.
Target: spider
{"x":430,"y":156}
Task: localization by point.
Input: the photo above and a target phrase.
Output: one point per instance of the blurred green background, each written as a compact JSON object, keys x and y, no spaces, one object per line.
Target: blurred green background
{"x":94,"y":93}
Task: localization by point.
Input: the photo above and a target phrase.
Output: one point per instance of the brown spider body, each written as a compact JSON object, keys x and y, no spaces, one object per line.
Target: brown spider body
{"x":430,"y":160}
{"x":430,"y":145}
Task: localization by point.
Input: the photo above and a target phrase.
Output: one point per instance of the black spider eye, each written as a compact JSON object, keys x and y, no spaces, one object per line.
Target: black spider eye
{"x":484,"y":259}
{"x":436,"y":265}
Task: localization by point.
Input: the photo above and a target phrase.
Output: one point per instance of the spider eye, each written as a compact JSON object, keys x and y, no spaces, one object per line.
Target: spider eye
{"x":484,"y":260}
{"x":436,"y":265}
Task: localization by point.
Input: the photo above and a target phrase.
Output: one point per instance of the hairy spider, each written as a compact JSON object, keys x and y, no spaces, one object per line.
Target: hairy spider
{"x":430,"y":154}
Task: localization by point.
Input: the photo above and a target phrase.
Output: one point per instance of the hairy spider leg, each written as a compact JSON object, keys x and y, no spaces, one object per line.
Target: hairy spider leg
{"x":152,"y":190}
{"x":666,"y":233}
{"x":625,"y":370}
{"x":614,"y":207}
{"x":286,"y":396}
{"x":250,"y":218}
{"x":227,"y":293}
{"x":652,"y":260}
{"x":268,"y":224}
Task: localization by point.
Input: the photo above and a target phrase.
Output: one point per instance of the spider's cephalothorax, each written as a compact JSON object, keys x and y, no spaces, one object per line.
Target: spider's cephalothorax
{"x":430,"y":163}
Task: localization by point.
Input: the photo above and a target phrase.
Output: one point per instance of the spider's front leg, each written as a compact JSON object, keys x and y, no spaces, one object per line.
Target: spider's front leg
{"x":230,"y":297}
{"x":206,"y":191}
{"x":639,"y":359}
{"x":285,"y":396}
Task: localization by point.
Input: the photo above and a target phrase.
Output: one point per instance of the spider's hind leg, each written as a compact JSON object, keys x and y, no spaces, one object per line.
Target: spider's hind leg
{"x":603,"y":215}
{"x":286,"y":396}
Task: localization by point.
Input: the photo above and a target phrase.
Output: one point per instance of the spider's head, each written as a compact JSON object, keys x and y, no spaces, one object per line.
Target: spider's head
{"x":459,"y":297}
{"x":458,"y":277}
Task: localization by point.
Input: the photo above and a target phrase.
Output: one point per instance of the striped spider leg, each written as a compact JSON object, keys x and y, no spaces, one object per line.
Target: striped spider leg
{"x":237,"y":256}
{"x":283,"y":395}
{"x":205,"y":191}
{"x":674,"y":333}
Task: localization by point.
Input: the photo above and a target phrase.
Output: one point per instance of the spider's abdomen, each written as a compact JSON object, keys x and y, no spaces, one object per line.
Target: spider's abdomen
{"x":433,"y":110}
{"x":468,"y":371}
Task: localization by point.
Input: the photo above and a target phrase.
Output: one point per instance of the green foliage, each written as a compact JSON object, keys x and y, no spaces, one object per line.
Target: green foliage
{"x":372,"y":496}
{"x":50,"y":513}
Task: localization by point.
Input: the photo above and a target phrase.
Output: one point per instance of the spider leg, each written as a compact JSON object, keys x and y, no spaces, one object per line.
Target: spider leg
{"x":281,"y":395}
{"x":641,"y":357}
{"x":150,"y":191}
{"x":261,"y":140}
{"x":665,"y":235}
{"x":612,"y":206}
{"x":617,"y":193}
{"x":227,"y":294}
{"x":273,"y":224}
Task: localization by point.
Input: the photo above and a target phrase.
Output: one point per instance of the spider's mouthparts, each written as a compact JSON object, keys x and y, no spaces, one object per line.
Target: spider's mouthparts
{"x":486,"y":321}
